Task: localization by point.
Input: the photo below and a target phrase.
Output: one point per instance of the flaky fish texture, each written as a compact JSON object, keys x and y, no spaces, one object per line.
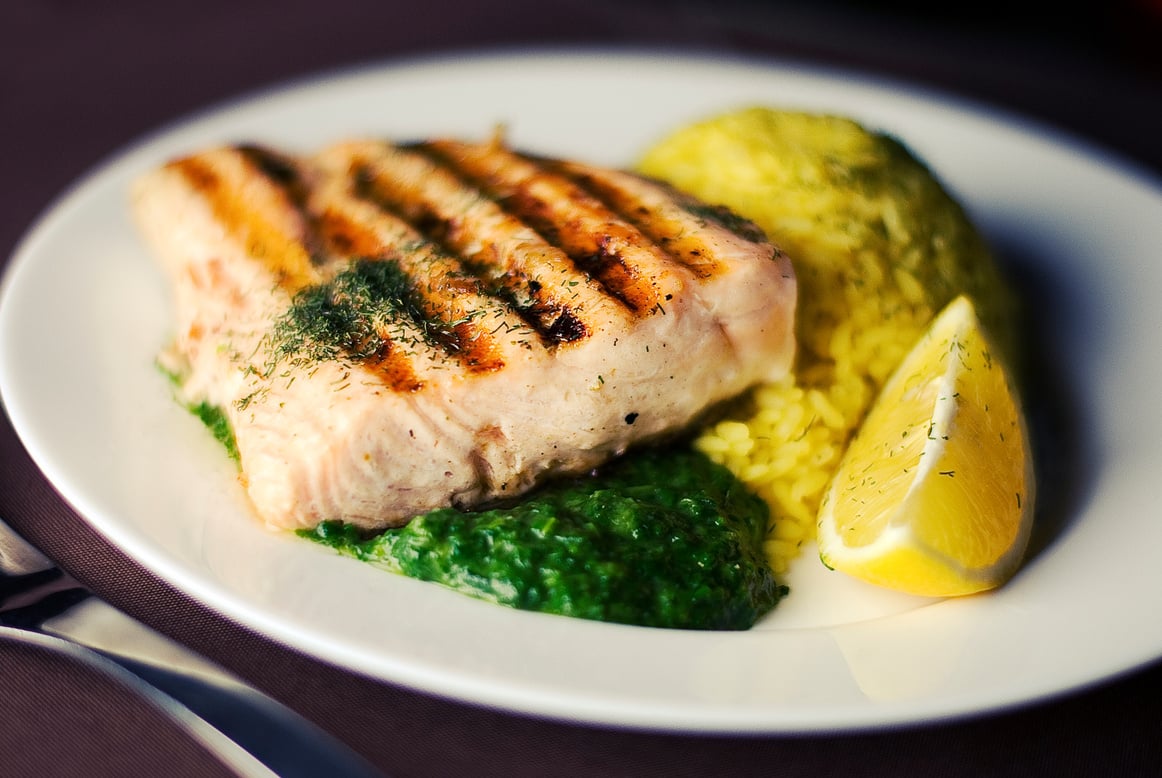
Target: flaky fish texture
{"x":393,"y":328}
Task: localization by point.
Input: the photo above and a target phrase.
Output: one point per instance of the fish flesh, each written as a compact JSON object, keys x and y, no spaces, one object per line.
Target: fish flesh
{"x":391,"y":328}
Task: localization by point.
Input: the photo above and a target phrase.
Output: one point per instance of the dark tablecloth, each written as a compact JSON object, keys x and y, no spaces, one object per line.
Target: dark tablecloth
{"x":80,"y":80}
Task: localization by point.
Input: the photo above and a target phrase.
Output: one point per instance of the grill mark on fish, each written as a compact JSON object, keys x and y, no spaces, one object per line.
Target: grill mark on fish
{"x":255,"y":211}
{"x":358,"y":318}
{"x":394,"y":368}
{"x":482,"y":227}
{"x":280,"y":169}
{"x":514,"y":263}
{"x":669,"y":218}
{"x":391,"y":363}
{"x":499,"y":249}
{"x":453,"y":313}
{"x":344,"y":269}
{"x":628,"y":264}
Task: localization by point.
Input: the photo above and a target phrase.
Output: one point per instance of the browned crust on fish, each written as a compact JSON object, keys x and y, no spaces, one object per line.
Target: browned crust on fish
{"x":544,"y":316}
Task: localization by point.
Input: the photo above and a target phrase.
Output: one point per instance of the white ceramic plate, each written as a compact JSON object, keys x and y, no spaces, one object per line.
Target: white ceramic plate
{"x":84,"y":312}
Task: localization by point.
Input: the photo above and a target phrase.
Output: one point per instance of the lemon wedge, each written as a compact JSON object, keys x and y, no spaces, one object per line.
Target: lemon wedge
{"x":934,"y":496}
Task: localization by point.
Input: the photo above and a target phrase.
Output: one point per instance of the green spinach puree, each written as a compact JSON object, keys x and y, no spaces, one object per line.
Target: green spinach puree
{"x":659,"y":538}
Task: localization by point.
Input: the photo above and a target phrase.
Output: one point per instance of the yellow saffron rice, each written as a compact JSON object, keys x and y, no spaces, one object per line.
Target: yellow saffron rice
{"x":879,"y":247}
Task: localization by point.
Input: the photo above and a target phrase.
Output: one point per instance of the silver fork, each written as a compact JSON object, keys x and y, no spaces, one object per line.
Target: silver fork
{"x":37,"y":597}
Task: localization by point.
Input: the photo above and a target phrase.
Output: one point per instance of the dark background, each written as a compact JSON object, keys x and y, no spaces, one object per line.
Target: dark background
{"x":79,"y":79}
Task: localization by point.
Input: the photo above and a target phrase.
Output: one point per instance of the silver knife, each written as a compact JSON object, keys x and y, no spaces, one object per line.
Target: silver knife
{"x":221,"y":710}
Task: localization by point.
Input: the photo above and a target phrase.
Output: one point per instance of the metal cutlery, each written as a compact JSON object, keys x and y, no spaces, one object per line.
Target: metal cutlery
{"x":37,"y":597}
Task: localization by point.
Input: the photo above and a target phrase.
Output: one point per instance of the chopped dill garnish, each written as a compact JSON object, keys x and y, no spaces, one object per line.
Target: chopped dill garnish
{"x":350,"y":316}
{"x":368,"y":307}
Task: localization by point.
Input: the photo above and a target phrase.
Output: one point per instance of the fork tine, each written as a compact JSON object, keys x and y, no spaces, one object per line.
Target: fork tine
{"x":32,"y":588}
{"x":17,"y":555}
{"x":33,"y":615}
{"x":12,"y":586}
{"x":29,"y":600}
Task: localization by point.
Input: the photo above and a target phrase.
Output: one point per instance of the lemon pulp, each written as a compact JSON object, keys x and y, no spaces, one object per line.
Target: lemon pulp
{"x":935,"y":494}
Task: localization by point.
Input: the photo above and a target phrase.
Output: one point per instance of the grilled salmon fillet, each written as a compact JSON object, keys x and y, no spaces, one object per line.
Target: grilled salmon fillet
{"x":392,"y":328}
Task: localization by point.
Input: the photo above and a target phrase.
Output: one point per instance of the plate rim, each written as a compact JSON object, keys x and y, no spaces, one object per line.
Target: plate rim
{"x":71,"y":198}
